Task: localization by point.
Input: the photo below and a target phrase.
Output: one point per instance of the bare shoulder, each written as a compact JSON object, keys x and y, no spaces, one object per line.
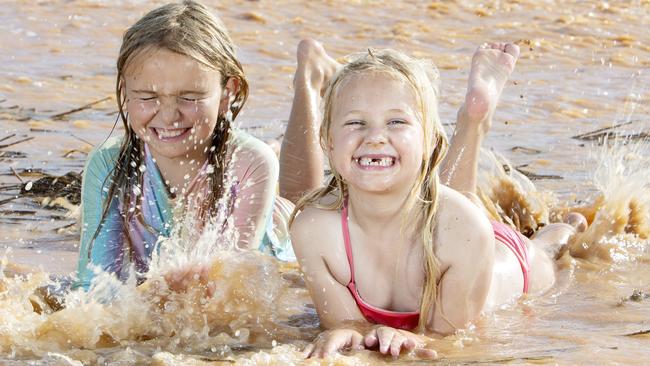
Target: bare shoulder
{"x":252,"y":148}
{"x":461,"y":226}
{"x":311,"y":230}
{"x":253,"y":156}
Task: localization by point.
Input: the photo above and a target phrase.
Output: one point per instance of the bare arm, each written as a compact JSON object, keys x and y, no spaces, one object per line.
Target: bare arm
{"x":310,"y":237}
{"x":315,"y":238}
{"x":468,"y":259}
{"x":256,"y":168}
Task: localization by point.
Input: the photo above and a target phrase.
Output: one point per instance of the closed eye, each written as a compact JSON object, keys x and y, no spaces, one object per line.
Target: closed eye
{"x":190,"y":99}
{"x":146,"y":99}
{"x":354,"y":122}
{"x":398,"y":121}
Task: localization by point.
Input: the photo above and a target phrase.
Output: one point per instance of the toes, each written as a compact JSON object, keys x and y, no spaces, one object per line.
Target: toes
{"x":499,"y":46}
{"x":512,"y":49}
{"x":509,"y":48}
{"x":577,"y":220}
{"x":492,"y":46}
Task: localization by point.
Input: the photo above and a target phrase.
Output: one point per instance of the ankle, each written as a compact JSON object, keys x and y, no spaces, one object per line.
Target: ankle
{"x":309,"y":78}
{"x":473,"y":123}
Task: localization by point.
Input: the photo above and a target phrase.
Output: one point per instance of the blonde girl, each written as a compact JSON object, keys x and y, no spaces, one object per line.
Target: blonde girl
{"x":179,"y":88}
{"x":387,"y":251}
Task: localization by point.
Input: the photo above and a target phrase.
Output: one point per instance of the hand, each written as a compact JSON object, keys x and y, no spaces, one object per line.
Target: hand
{"x":394,"y":341}
{"x":332,"y":341}
{"x":315,"y":66}
{"x":189,"y":276}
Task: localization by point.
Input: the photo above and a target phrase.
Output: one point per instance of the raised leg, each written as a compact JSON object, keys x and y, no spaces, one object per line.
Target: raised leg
{"x":301,"y":156}
{"x":492,"y":64}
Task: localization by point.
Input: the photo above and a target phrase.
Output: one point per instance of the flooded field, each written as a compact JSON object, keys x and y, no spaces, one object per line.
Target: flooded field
{"x":583,"y":76}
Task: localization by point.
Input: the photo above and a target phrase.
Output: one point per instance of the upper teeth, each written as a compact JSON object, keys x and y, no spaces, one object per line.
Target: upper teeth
{"x":387,"y":161}
{"x":165,"y":133}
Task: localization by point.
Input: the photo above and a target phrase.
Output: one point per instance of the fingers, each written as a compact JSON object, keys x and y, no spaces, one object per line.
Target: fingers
{"x":390,"y":341}
{"x":333,"y":345}
{"x":396,"y":344}
{"x":308,"y":351}
{"x":356,"y":341}
{"x":175,"y":280}
{"x":370,"y":339}
{"x":211,"y":288}
{"x":426,"y":353}
{"x":409,"y":345}
{"x":385,"y":337}
{"x":180,"y":280}
{"x":330,"y":342}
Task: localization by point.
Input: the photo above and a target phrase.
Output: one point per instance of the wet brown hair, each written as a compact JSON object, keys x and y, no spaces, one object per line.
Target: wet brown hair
{"x":190,"y":29}
{"x":422,"y":201}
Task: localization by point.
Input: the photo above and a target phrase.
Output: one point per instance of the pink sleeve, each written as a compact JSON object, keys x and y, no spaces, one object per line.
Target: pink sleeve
{"x":256,"y":168}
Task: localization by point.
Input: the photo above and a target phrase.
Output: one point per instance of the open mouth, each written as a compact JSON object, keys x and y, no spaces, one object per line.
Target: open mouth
{"x":375,"y":161}
{"x":167,"y":134}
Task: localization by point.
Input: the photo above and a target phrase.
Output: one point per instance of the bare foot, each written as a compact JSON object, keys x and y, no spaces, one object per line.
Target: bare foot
{"x":301,"y":158}
{"x":577,"y":220}
{"x":491,"y":67}
{"x":555,"y":237}
{"x":315,"y":66}
{"x":492,"y":64}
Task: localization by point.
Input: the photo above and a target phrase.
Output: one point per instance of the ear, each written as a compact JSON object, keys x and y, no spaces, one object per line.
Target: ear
{"x":228,"y":94}
{"x":122,"y":87}
{"x":232,"y":86}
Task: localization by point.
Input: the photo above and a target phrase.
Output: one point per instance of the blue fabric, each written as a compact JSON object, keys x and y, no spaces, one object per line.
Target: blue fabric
{"x":108,"y":247}
{"x":272,"y":245}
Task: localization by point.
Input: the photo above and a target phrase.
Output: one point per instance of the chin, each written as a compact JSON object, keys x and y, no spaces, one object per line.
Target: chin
{"x":170,"y":153}
{"x":377,"y":188}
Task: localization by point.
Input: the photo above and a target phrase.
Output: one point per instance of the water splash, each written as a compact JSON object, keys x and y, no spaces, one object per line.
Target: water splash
{"x":619,"y":215}
{"x":251,"y":304}
{"x":622,"y":207}
{"x":509,"y":196}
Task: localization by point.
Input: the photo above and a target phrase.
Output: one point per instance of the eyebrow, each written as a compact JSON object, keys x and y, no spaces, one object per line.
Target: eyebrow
{"x":399,"y":110}
{"x":143,"y":91}
{"x":146,"y":91}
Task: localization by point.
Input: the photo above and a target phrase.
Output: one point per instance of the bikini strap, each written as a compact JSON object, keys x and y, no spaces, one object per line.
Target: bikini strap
{"x":346,"y":238}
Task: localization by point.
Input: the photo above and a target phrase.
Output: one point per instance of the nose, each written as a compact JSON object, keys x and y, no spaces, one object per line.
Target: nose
{"x":376,"y":136}
{"x":168,"y":110}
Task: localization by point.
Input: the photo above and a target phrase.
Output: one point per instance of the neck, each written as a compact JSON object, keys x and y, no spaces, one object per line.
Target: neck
{"x":377,"y":212}
{"x":179,"y":172}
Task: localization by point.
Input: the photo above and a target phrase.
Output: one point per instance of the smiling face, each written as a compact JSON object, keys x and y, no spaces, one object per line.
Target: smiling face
{"x":173,"y":103}
{"x":376,"y":138}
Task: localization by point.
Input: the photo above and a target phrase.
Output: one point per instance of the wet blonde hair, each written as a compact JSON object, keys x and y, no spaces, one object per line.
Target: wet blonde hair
{"x":190,"y":29}
{"x":422,"y":201}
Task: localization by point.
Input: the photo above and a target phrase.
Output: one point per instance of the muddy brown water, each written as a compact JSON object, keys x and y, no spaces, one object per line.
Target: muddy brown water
{"x":584,"y":67}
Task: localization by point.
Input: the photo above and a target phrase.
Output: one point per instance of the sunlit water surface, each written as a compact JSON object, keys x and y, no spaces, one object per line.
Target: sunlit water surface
{"x":583,"y":67}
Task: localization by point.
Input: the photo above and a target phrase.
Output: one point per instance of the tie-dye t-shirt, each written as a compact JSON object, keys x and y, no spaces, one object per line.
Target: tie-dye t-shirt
{"x":250,"y":204}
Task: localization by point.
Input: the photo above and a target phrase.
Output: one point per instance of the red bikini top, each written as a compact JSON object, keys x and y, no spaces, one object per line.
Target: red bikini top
{"x":394,"y":319}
